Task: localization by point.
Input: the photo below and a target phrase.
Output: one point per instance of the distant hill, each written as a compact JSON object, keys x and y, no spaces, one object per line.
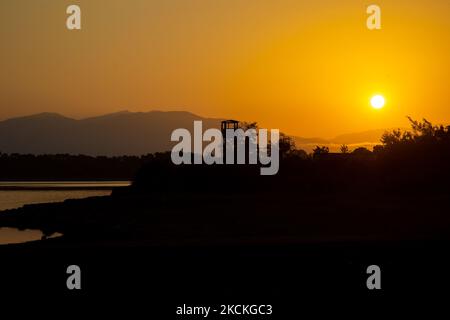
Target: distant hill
{"x":360,"y":137}
{"x":127,"y":133}
{"x":367,"y":139}
{"x":122,"y":133}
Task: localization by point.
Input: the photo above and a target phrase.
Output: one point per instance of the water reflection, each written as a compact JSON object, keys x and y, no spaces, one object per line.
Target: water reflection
{"x":6,"y":185}
{"x":12,"y":235}
{"x":14,"y":194}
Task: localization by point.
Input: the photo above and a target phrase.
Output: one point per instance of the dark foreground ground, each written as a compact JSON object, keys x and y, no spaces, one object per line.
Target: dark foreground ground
{"x":323,"y":278}
{"x":155,"y":252}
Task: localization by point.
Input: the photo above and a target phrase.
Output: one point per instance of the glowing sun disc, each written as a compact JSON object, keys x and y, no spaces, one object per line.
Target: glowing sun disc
{"x":377,"y":102}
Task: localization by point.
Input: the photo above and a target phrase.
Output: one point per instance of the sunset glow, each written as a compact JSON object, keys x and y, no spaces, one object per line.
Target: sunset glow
{"x":377,"y":101}
{"x":276,"y":62}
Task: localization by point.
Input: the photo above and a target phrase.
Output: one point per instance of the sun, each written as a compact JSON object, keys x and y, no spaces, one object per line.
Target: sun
{"x":377,"y":101}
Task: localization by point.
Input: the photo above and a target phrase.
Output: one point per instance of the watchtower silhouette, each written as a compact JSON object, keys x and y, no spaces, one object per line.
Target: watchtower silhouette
{"x":229,"y":125}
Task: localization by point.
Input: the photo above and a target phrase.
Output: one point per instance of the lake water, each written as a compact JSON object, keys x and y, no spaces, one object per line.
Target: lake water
{"x":16,"y":194}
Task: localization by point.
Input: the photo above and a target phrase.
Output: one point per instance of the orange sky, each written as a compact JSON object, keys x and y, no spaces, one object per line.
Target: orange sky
{"x":306,"y":67}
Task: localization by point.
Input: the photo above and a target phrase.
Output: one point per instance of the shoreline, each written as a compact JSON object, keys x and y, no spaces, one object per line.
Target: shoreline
{"x":65,"y":185}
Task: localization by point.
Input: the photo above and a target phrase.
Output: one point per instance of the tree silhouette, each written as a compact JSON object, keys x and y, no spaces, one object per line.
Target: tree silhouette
{"x":320,"y":150}
{"x":286,"y":145}
{"x":344,"y":148}
{"x":362,"y":151}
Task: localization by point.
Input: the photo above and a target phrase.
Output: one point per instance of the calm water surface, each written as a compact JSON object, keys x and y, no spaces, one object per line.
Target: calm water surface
{"x":16,"y":194}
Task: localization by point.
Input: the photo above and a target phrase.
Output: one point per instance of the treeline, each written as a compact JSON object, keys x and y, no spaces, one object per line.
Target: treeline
{"x":416,"y":159}
{"x":69,"y":167}
{"x":405,"y":162}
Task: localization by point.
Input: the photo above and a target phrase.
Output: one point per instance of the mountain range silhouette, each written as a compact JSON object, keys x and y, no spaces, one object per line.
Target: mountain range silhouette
{"x":124,"y":133}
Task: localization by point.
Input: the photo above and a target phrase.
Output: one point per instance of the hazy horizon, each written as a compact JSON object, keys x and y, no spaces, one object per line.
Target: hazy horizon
{"x":199,"y":115}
